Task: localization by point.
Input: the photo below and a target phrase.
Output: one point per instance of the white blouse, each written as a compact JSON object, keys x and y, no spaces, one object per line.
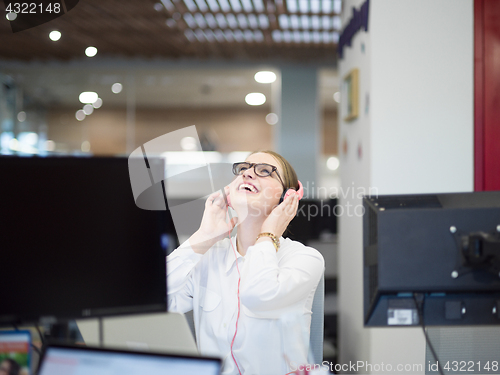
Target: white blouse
{"x":276,"y":295}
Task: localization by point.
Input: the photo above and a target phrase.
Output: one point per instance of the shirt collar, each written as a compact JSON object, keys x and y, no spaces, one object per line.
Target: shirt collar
{"x":230,"y":259}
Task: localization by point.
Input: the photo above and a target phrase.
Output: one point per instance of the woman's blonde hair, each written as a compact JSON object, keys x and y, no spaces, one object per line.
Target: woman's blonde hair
{"x":289,"y":177}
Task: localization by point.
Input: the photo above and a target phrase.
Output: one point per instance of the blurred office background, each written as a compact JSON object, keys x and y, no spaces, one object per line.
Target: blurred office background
{"x":163,"y":65}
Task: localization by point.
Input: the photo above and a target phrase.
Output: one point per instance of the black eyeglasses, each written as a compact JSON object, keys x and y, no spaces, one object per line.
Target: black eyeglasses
{"x":260,"y":169}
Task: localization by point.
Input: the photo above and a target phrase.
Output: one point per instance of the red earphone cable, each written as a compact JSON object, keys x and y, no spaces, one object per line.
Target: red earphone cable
{"x":238,"y":293}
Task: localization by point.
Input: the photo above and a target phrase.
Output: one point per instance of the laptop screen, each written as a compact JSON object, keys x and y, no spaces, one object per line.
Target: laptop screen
{"x":62,"y":360}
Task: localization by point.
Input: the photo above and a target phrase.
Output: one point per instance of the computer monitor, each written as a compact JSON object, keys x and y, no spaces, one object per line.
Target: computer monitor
{"x":314,"y":217}
{"x":442,"y":249}
{"x":60,"y":359}
{"x":73,"y":242}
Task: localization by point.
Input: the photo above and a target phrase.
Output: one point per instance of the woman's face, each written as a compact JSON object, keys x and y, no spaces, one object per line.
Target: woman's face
{"x":259,"y":194}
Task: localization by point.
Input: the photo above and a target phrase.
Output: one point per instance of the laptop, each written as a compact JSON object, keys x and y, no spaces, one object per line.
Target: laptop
{"x":63,"y":359}
{"x":162,"y":332}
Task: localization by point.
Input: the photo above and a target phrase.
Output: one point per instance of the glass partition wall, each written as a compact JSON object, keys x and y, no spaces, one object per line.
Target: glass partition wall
{"x":23,"y":121}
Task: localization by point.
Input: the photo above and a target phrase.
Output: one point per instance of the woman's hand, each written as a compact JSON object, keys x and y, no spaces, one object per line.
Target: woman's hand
{"x":279,"y":218}
{"x":213,"y":226}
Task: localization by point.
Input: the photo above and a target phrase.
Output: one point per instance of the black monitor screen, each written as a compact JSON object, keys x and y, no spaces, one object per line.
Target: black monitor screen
{"x":437,"y":253}
{"x":73,"y":242}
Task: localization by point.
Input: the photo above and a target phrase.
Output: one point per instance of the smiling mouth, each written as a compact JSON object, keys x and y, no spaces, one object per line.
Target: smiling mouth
{"x":248,"y":187}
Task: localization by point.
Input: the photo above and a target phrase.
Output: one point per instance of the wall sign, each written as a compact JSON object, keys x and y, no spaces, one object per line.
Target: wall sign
{"x":350,"y":92}
{"x":358,"y":21}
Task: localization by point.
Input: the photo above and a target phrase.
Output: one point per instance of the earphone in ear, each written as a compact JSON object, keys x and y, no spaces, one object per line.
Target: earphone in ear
{"x":289,"y":192}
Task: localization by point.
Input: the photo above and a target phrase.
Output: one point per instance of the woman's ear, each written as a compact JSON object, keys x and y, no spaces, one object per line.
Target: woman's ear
{"x":289,"y":192}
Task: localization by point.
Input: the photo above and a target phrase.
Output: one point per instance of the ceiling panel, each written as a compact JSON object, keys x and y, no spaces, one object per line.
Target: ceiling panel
{"x":260,"y":30}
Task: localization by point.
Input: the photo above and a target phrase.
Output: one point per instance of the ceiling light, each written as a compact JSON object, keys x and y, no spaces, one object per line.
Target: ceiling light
{"x":337,"y":23}
{"x":238,"y":35}
{"x":85,"y":147}
{"x":247,"y":5}
{"x":337,"y":6}
{"x":11,"y":16}
{"x":272,"y":118}
{"x":21,"y":116}
{"x":336,"y":96}
{"x":50,"y":145}
{"x":188,"y":17}
{"x":189,"y":144}
{"x":255,"y":98}
{"x":327,"y":6}
{"x":189,"y":35}
{"x":88,"y":97}
{"x":224,"y":5}
{"x":259,"y":37}
{"x":333,"y":163}
{"x":277,"y":36}
{"x":168,"y":4}
{"x":231,"y":20}
{"x":80,"y":115}
{"x":252,"y":20}
{"x":97,"y":104}
{"x":28,"y":138}
{"x":14,"y":144}
{"x":315,"y":7}
{"x":259,"y":6}
{"x":88,"y":109}
{"x":117,"y":88}
{"x":304,"y":6}
{"x":265,"y":77}
{"x":191,"y":5}
{"x":292,"y":6}
{"x":264,"y":21}
{"x":158,"y":7}
{"x":235,"y":4}
{"x":91,"y":51}
{"x":214,"y":7}
{"x":55,"y":35}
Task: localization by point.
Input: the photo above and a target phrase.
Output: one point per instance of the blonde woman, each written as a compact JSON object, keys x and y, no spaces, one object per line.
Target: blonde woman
{"x":251,"y":294}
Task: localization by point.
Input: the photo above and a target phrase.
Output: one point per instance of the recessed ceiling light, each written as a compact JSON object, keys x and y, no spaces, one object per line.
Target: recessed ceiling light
{"x":189,"y":144}
{"x":88,"y":109}
{"x":265,"y":77}
{"x":88,"y":97}
{"x":333,"y":163}
{"x":255,"y":98}
{"x":11,"y":16}
{"x":55,"y":35}
{"x":85,"y":147}
{"x":117,"y":88}
{"x":21,"y":116}
{"x":50,"y":145}
{"x":97,"y":104}
{"x":80,"y":115}
{"x":336,"y":96}
{"x":272,"y":118}
{"x":91,"y":51}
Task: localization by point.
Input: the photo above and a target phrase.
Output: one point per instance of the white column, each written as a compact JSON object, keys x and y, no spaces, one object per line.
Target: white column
{"x":297,"y":136}
{"x":414,"y":135}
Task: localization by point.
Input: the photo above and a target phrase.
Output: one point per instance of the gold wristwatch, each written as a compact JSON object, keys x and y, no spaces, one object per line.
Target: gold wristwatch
{"x":276,"y":241}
